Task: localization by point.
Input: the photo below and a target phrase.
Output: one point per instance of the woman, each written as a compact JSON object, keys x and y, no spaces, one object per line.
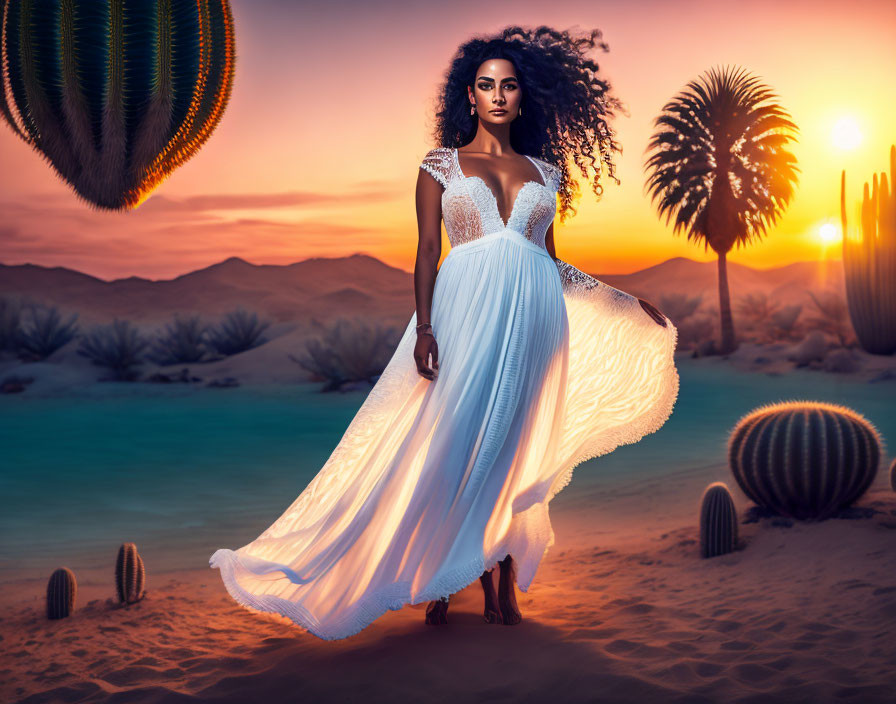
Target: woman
{"x":514,"y":368}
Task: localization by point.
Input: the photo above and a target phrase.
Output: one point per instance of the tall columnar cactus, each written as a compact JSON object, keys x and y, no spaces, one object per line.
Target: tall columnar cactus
{"x":718,"y":521}
{"x":804,"y":459}
{"x":130,"y":577}
{"x":115,"y":95}
{"x":61,"y":592}
{"x":869,"y":264}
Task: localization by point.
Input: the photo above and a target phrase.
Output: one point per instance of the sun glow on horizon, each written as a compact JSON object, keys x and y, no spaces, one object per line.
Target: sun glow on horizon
{"x":846,"y":134}
{"x":828,"y":233}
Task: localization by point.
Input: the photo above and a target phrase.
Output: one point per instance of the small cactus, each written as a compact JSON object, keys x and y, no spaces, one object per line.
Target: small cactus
{"x":61,"y":592}
{"x":718,"y":521}
{"x":130,"y":577}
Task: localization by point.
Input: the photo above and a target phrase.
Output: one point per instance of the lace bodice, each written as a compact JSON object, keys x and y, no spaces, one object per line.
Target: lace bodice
{"x":470,"y":209}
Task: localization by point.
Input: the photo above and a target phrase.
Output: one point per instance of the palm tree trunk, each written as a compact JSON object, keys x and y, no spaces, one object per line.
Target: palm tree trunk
{"x":729,"y":341}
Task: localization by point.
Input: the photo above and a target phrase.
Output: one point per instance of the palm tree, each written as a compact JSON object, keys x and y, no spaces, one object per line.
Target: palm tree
{"x":721,"y":167}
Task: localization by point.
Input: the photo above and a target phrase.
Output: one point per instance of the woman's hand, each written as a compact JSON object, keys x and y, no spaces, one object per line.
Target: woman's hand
{"x":426,"y":346}
{"x":658,"y":317}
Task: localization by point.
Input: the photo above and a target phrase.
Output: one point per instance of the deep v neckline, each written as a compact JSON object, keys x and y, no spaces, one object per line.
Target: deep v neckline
{"x":494,"y":201}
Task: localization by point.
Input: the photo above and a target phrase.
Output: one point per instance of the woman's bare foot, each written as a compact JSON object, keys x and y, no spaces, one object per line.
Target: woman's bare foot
{"x":437,"y":611}
{"x":492,"y":610}
{"x":510,"y":613}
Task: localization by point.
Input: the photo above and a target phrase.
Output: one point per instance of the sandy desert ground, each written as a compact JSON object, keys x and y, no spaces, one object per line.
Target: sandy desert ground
{"x":622,"y":610}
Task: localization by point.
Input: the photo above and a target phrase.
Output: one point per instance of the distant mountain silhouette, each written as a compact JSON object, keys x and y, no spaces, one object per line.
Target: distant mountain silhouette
{"x":787,"y":284}
{"x":358,"y":285}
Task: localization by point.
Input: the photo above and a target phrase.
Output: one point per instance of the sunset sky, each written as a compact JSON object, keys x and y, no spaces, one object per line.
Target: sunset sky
{"x":318,"y":151}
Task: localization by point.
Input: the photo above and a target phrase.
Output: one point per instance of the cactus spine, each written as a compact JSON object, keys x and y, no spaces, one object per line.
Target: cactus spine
{"x":61,"y":592}
{"x":718,"y":521}
{"x":130,"y":577}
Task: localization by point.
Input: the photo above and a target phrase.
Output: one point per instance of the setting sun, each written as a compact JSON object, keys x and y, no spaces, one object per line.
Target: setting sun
{"x":828,"y":233}
{"x":846,"y":134}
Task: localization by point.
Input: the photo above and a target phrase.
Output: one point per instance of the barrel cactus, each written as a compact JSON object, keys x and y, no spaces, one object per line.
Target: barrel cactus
{"x":61,"y":592}
{"x":130,"y":577}
{"x":115,"y":95}
{"x":804,"y":459}
{"x":718,"y":521}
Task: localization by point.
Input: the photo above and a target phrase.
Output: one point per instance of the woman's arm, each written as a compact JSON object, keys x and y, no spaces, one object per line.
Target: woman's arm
{"x":568,"y":273}
{"x":429,"y":250}
{"x":549,"y":241}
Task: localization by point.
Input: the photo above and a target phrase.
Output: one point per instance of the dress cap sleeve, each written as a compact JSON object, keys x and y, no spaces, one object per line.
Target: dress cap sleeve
{"x":437,"y":163}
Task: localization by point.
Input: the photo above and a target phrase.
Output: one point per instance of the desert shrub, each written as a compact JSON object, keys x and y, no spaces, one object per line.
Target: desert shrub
{"x":841,"y":361}
{"x":831,"y":317}
{"x":694,"y":330}
{"x":752,"y":313}
{"x":117,"y":347}
{"x":705,"y":348}
{"x":10,"y":323}
{"x":43,"y":332}
{"x":782,"y":324}
{"x":182,"y":341}
{"x":679,"y":306}
{"x":238,"y":332}
{"x":813,"y":348}
{"x":755,"y":307}
{"x":349,"y":351}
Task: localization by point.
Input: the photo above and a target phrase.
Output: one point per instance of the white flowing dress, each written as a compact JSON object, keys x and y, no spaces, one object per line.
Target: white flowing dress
{"x":541,"y":368}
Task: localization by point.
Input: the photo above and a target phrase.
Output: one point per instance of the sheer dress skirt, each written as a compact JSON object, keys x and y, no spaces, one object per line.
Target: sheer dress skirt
{"x":434,"y":481}
{"x":542,"y":367}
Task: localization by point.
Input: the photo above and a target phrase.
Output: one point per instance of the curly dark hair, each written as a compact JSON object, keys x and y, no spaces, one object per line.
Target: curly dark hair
{"x":566,"y":102}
